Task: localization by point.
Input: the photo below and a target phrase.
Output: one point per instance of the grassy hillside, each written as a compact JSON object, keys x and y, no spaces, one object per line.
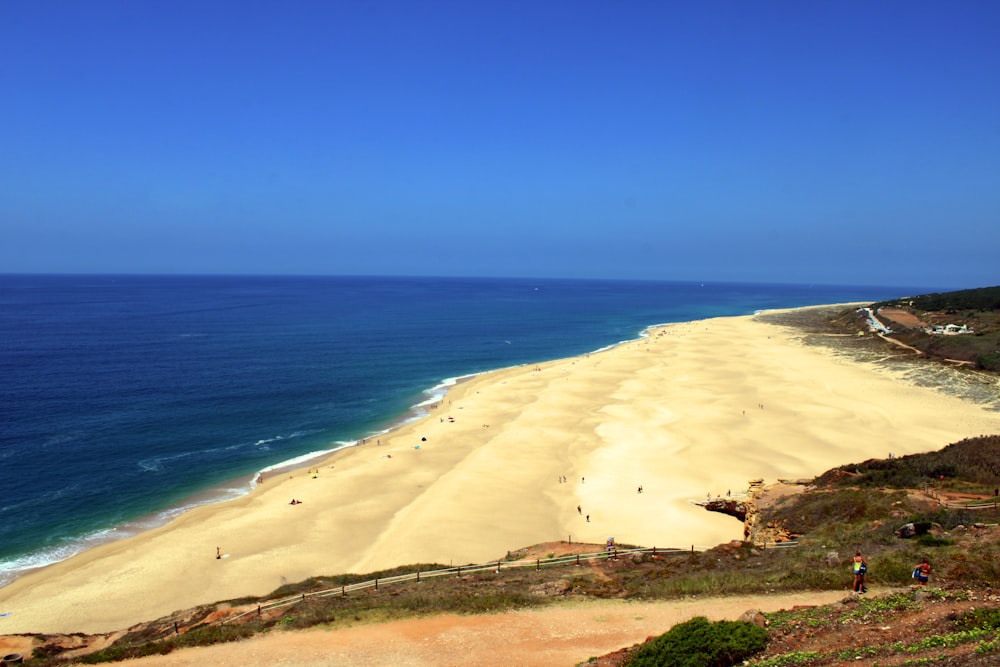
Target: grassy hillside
{"x":972,"y":464}
{"x":981,"y":299}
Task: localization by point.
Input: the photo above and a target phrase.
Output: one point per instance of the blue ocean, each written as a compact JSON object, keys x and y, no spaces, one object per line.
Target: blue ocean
{"x":125,"y":400}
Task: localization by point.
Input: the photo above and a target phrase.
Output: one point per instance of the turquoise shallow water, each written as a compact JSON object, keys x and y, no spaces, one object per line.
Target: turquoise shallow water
{"x":126,"y":399}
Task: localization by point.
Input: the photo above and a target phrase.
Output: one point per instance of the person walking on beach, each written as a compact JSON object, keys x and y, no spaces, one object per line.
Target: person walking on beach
{"x":860,"y":568}
{"x":922,"y":572}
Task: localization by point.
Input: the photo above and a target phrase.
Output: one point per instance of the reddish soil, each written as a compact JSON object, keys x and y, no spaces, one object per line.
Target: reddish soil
{"x":563,"y":635}
{"x":906,"y":318}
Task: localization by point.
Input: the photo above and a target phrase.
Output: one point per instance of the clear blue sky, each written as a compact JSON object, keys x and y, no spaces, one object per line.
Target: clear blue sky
{"x":813,"y":142}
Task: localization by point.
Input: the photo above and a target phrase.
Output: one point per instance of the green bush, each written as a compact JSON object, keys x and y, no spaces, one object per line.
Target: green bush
{"x":980,"y":619}
{"x":701,"y":643}
{"x":989,"y":362}
{"x":931,"y":541}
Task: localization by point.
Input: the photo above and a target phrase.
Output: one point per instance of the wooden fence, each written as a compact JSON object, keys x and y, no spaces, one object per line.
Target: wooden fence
{"x":934,"y":495}
{"x":496,"y":566}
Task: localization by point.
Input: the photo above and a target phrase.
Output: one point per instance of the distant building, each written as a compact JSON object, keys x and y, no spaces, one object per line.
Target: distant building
{"x":948,"y":329}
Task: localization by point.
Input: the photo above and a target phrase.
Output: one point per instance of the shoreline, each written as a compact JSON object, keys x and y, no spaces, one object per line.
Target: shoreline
{"x":482,"y":479}
{"x":228,"y":490}
{"x":245,"y":484}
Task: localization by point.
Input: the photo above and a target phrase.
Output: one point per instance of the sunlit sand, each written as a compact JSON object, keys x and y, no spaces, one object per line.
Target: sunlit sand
{"x":693,"y":409}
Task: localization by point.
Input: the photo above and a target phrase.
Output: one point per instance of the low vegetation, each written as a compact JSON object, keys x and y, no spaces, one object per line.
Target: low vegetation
{"x":922,"y":627}
{"x":971,"y":465}
{"x":980,"y":299}
{"x":701,"y":643}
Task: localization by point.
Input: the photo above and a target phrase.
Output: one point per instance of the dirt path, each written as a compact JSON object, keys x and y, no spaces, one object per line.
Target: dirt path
{"x":564,"y":635}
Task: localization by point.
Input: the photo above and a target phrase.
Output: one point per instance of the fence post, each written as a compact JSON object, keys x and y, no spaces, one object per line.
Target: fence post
{"x":538,"y":564}
{"x":458,"y":571}
{"x":376,"y":583}
{"x":176,"y":631}
{"x":343,"y":591}
{"x":578,"y":559}
{"x":303,"y":597}
{"x":654,"y":551}
{"x":418,"y":576}
{"x":692,"y":548}
{"x":258,"y":611}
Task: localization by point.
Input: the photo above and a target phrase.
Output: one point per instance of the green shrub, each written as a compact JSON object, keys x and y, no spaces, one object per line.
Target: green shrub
{"x":980,"y":619}
{"x":701,"y":643}
{"x":989,"y":362}
{"x":931,"y":541}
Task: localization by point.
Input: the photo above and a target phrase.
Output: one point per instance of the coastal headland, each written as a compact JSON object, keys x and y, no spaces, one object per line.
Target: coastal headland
{"x":614,"y":443}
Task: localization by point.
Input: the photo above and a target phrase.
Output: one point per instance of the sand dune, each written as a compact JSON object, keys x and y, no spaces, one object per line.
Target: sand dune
{"x":692,"y":409}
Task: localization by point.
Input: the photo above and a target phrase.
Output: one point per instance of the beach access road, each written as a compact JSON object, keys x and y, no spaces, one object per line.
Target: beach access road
{"x":560,"y":635}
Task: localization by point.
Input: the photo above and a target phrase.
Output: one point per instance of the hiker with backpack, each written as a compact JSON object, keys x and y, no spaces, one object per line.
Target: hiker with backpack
{"x":860,"y":568}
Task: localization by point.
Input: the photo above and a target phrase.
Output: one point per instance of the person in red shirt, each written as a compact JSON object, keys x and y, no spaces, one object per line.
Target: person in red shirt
{"x":922,"y":572}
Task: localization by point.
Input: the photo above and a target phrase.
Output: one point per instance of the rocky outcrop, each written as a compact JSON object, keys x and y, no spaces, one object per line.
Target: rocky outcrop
{"x":754,"y":616}
{"x":734,"y":508}
{"x":772,"y":533}
{"x":750,"y":524}
{"x":744,"y":507}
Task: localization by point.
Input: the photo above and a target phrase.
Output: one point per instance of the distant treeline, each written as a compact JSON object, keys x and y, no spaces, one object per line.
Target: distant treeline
{"x":980,"y":298}
{"x":975,"y":460}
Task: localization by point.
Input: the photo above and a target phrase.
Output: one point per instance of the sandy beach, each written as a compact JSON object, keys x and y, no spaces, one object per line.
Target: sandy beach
{"x":693,"y":409}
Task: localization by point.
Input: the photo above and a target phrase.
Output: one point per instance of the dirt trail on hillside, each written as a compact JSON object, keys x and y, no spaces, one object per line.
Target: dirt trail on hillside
{"x":564,"y":635}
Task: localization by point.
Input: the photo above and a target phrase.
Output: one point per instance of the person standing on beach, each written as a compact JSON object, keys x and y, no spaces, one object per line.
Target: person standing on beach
{"x":860,"y":568}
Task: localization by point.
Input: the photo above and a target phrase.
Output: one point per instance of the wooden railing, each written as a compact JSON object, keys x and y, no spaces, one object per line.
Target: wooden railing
{"x":495,"y":566}
{"x":971,"y":504}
